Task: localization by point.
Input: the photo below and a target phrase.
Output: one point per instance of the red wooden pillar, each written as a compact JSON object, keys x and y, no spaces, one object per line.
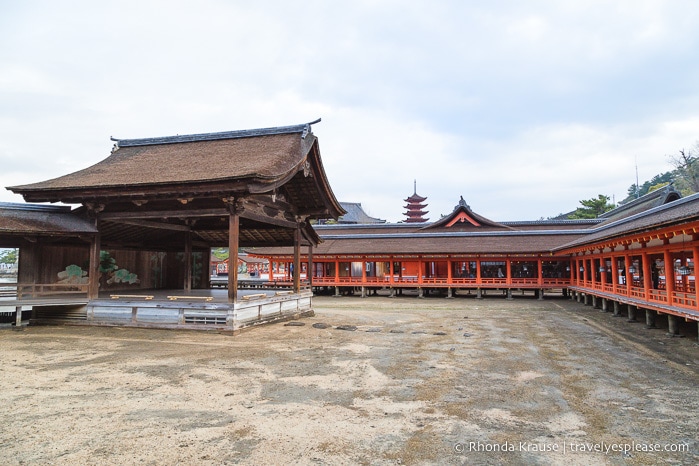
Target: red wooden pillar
{"x":628,"y":274}
{"x":695,"y":256}
{"x":391,"y":270}
{"x":647,"y":280}
{"x":478,"y":272}
{"x":310,"y":272}
{"x":449,"y":272}
{"x":297,"y":259}
{"x":337,"y":272}
{"x":615,"y":274}
{"x":508,"y":271}
{"x":603,"y":271}
{"x":669,"y":275}
{"x":364,"y":263}
{"x":540,"y":265}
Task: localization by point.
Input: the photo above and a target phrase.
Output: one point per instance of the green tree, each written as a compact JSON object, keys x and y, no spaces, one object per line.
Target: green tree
{"x":655,"y":182}
{"x":8,"y":256}
{"x":220,"y":253}
{"x":686,"y":165}
{"x":592,"y":208}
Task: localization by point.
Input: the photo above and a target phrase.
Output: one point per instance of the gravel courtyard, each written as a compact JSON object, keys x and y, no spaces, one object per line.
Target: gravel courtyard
{"x":402,"y":381}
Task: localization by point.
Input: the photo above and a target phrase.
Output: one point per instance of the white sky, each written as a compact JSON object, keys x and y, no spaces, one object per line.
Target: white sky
{"x":524,"y":108}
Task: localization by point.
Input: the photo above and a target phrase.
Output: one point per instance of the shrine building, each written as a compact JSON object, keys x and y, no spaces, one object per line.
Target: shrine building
{"x":136,"y":250}
{"x":637,"y":259}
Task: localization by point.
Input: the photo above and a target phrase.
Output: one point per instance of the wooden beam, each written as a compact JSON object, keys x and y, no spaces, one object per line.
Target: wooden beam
{"x":155,"y":225}
{"x":159,"y":214}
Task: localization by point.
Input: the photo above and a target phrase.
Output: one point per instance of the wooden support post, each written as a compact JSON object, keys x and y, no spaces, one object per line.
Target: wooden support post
{"x":337,"y":272}
{"x":297,"y":259}
{"x":309,"y":274}
{"x":93,"y":289}
{"x":188,"y":261}
{"x":617,"y":309}
{"x":631,"y":313}
{"x":650,"y":318}
{"x":695,"y":257}
{"x":673,"y":325}
{"x":647,"y":280}
{"x":18,"y":317}
{"x":628,"y":274}
{"x":233,"y":242}
{"x":669,"y":276}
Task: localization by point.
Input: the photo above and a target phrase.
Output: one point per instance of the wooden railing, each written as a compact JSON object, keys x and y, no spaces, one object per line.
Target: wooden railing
{"x":413,"y":281}
{"x":8,"y":290}
{"x":42,"y":290}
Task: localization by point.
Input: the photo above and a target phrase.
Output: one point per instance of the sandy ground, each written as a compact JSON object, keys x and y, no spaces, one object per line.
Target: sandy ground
{"x":431,"y":381}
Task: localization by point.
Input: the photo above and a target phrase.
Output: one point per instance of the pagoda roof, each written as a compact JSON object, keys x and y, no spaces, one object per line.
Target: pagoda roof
{"x":415,"y":199}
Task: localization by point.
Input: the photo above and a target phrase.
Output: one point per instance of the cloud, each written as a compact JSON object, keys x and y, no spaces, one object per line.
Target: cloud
{"x":524,"y":109}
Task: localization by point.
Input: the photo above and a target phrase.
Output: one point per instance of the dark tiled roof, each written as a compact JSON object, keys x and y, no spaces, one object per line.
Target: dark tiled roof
{"x":500,"y":242}
{"x":31,"y":219}
{"x":649,"y":201}
{"x":673,"y":213}
{"x":356,"y":215}
{"x":246,"y":133}
{"x":463,"y":216}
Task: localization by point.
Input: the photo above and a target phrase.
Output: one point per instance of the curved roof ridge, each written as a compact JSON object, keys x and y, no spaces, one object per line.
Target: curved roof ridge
{"x":464,"y":209}
{"x":303,"y":128}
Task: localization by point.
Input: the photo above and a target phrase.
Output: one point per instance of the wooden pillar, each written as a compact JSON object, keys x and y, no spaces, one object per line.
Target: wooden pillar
{"x":695,"y":256}
{"x":420,"y":271}
{"x":391,"y":270}
{"x":628,"y":274}
{"x":309,"y":274}
{"x":188,"y":261}
{"x":93,"y":289}
{"x":669,"y":276}
{"x":593,"y":273}
{"x":297,"y":259}
{"x":540,"y":277}
{"x":508,"y":271}
{"x":647,"y":280}
{"x":233,"y":242}
{"x":18,"y":317}
{"x":603,"y":271}
{"x":449,"y":273}
{"x":337,"y":272}
{"x":615,"y":274}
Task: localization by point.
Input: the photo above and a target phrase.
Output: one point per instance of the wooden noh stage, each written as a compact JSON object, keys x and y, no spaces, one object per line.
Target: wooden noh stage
{"x":136,"y":251}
